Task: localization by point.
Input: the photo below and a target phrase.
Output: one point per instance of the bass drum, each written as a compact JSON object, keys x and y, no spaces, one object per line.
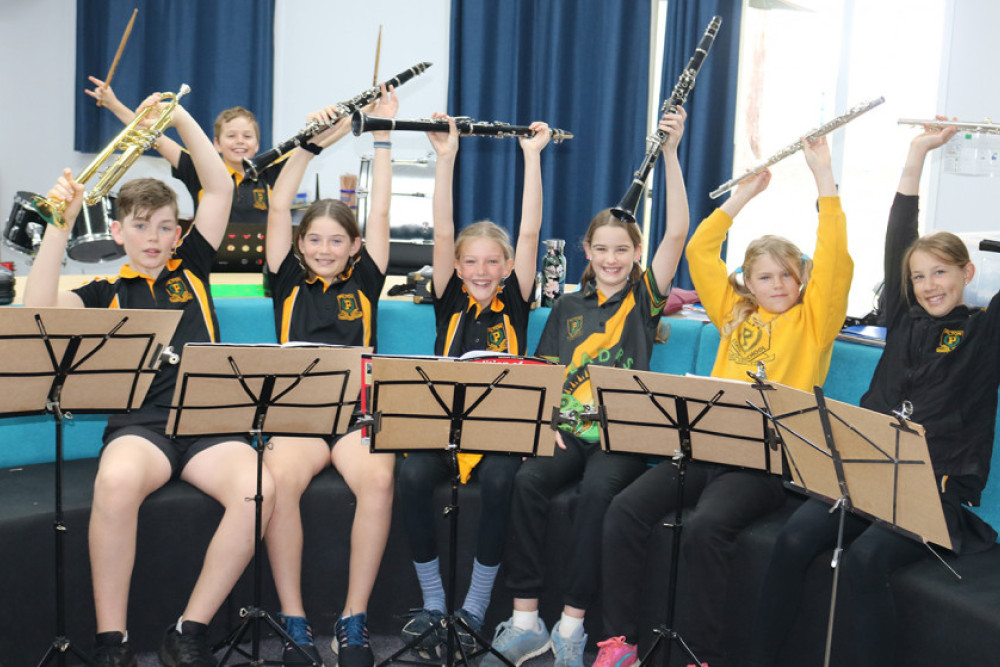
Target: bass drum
{"x":25,"y":226}
{"x":91,"y":239}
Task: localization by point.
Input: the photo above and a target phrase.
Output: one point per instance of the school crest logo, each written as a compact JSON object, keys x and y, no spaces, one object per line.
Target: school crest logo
{"x":750,"y":344}
{"x":260,"y":200}
{"x":349,"y":308}
{"x":178,"y":291}
{"x":949,"y":340}
{"x":496,"y":339}
{"x":574,"y":326}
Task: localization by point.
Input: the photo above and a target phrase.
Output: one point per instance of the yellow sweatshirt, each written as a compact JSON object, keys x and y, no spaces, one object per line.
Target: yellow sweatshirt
{"x":795,"y":346}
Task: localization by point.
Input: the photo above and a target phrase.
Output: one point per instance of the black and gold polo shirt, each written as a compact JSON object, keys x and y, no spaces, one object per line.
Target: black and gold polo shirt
{"x":182,"y":285}
{"x":311,"y":310}
{"x":585,"y":327}
{"x":462,"y":326}
{"x":250,"y":198}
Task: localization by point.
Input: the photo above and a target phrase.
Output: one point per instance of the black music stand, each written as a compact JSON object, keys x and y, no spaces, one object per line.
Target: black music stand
{"x":685,"y":418}
{"x":297,"y":390}
{"x":504,"y":406}
{"x":870,"y":464}
{"x":65,"y":360}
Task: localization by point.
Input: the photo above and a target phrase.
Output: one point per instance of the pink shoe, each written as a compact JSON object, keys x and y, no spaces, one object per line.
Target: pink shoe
{"x":615,"y":652}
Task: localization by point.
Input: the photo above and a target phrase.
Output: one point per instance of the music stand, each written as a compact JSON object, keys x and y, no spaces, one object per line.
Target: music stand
{"x":684,"y":418}
{"x":505,"y":406}
{"x":874,"y":465}
{"x":63,"y":360}
{"x":298,"y":390}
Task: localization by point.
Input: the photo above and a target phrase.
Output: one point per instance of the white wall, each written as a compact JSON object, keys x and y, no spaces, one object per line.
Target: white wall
{"x":969,"y":91}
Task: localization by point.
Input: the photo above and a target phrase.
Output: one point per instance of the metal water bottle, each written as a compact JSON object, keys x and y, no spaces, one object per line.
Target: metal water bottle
{"x":553,"y":271}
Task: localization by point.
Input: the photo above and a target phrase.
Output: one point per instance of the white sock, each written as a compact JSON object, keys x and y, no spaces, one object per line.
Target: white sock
{"x":526,"y":620}
{"x":568,"y":625}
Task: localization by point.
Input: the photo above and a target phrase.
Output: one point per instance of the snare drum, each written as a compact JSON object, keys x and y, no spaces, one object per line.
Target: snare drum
{"x":25,"y":226}
{"x":91,"y":238}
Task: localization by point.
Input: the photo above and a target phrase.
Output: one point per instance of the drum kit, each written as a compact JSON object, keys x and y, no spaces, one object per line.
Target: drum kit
{"x":90,"y":240}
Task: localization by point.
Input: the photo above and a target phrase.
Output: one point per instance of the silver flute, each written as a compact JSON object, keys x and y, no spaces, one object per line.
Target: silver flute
{"x":985,"y":127}
{"x":791,"y":149}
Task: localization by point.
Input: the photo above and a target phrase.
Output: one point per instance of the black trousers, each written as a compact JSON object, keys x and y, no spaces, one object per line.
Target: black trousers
{"x":420,"y":472}
{"x":725,"y":500}
{"x":875,"y":553}
{"x":601,"y":476}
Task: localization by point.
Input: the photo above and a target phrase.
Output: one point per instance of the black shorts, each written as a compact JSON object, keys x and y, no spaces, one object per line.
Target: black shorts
{"x":179,"y":451}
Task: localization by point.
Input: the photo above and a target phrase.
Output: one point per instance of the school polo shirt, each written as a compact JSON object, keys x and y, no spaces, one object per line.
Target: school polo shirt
{"x":311,"y":310}
{"x":585,"y":327}
{"x":182,"y":285}
{"x":250,"y":198}
{"x":463,"y":326}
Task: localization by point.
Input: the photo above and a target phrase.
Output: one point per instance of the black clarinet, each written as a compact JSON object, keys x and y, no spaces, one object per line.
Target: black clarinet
{"x":625,"y":209}
{"x":254,"y":166}
{"x":362,"y":122}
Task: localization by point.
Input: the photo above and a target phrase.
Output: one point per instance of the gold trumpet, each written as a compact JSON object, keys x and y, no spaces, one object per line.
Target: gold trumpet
{"x":132,"y":141}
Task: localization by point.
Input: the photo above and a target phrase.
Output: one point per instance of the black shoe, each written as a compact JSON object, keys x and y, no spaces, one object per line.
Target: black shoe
{"x":351,"y":642}
{"x":189,"y":649}
{"x":427,"y":623}
{"x":465,"y":638}
{"x":300,"y":631}
{"x":113,"y":652}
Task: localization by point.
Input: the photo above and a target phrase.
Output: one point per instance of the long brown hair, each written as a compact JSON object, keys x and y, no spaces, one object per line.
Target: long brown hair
{"x":605,"y":218}
{"x":785,"y":253}
{"x":326,"y":208}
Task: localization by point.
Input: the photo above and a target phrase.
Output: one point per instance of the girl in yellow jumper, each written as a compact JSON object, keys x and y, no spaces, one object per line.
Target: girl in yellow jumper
{"x":780,"y":308}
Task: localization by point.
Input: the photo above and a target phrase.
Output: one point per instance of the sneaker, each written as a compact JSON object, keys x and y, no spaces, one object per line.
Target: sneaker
{"x":568,"y":650}
{"x":424,"y":621}
{"x":350,"y":642}
{"x":189,"y":649}
{"x":114,"y":653}
{"x":615,"y":652}
{"x":517,"y":645}
{"x":466,"y":640}
{"x":301,"y":632}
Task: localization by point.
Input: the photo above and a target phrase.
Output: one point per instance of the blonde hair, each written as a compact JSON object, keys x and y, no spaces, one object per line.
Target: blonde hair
{"x":785,"y":253}
{"x":485,"y":229}
{"x":944,"y":245}
{"x":605,"y":218}
{"x":231,"y":114}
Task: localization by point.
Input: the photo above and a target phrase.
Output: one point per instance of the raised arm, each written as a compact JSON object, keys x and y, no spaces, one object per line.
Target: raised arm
{"x":279,"y":210}
{"x":377,"y":226}
{"x":42,"y":289}
{"x":103,"y":93}
{"x":446,"y":147}
{"x":526,"y":251}
{"x":668,"y":253}
{"x":817,"y":154}
{"x":922,"y":144}
{"x":212,"y":214}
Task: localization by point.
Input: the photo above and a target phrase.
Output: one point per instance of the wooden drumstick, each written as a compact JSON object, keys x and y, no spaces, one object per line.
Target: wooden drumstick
{"x":378,"y":48}
{"x":121,"y":47}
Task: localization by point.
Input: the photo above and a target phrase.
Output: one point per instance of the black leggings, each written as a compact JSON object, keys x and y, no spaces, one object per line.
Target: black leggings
{"x":866,"y":567}
{"x":420,"y":472}
{"x":725,"y":501}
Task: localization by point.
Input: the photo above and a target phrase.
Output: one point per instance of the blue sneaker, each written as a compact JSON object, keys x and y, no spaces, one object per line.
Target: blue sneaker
{"x":424,"y":622}
{"x":300,"y":631}
{"x":517,"y":645}
{"x":350,"y":643}
{"x":568,"y":650}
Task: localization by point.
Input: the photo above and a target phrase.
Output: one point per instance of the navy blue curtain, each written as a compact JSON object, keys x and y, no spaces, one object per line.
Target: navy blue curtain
{"x":223,"y":49}
{"x":706,"y":151}
{"x":581,"y":66}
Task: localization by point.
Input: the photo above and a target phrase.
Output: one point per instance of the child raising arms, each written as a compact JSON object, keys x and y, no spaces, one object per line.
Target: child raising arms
{"x":482,"y":295}
{"x":612,"y":317}
{"x":940,"y":355}
{"x":138,"y":457}
{"x":780,"y":308}
{"x":326,"y":286}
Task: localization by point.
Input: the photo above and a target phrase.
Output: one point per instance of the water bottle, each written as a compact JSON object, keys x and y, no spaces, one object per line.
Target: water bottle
{"x":553,"y":271}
